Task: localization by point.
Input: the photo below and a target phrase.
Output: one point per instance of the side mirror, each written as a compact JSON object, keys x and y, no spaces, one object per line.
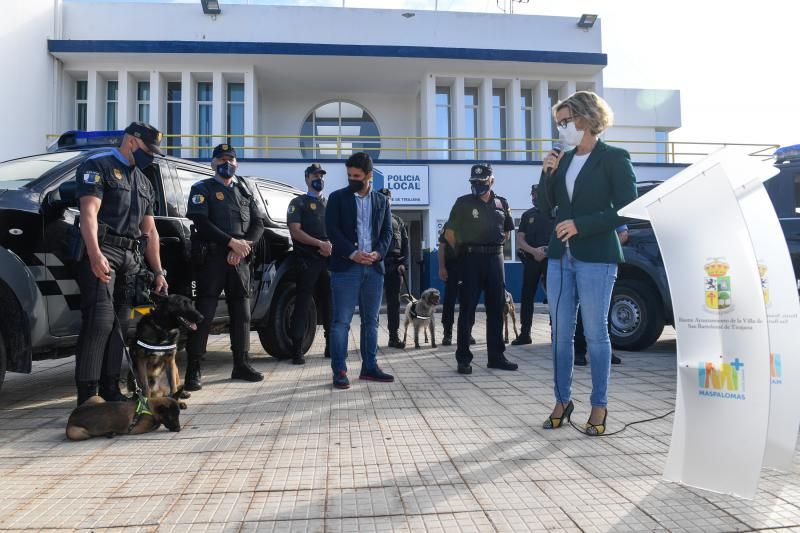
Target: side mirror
{"x":67,"y":192}
{"x":60,"y":199}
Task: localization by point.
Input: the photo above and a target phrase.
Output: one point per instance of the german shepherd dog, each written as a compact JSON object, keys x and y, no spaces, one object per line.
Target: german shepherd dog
{"x":98,"y":418}
{"x":156,"y":344}
{"x":509,"y":311}
{"x":421,"y":313}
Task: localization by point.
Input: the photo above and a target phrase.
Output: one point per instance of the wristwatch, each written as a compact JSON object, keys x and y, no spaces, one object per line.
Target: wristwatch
{"x":162,"y":273}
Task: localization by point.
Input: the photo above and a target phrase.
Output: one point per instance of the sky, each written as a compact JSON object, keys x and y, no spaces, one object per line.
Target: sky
{"x":735,"y":63}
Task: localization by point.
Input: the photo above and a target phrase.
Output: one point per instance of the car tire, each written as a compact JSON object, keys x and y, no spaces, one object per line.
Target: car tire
{"x":274,"y":333}
{"x":636,"y":316}
{"x":3,"y":364}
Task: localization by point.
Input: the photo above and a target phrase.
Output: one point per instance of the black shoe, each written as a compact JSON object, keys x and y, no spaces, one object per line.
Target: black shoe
{"x":522,"y":339}
{"x":472,"y":340}
{"x":447,"y":339}
{"x":109,"y":389}
{"x":503,"y":364}
{"x":580,"y":359}
{"x":465,"y":369}
{"x":193,"y":380}
{"x":376,"y":374}
{"x":327,"y":351}
{"x":340,"y":380}
{"x":615,"y":360}
{"x":86,"y":389}
{"x":298,"y":360}
{"x":396,"y":343}
{"x":242,"y":369}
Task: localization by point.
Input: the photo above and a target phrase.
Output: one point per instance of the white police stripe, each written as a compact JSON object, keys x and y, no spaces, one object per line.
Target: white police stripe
{"x":157,"y":348}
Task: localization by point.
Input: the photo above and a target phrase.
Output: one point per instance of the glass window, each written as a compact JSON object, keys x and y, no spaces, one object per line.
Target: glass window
{"x":499,"y":122}
{"x":277,"y":202}
{"x":112,"y":87}
{"x":173,"y":118}
{"x":235,"y":114}
{"x":661,"y":146}
{"x":143,"y":101}
{"x":527,"y":121}
{"x":471,"y":120}
{"x":552,"y":95}
{"x":81,"y":107}
{"x":187,"y":178}
{"x":337,"y":129}
{"x":19,"y":172}
{"x":205,"y":103}
{"x":443,"y":122}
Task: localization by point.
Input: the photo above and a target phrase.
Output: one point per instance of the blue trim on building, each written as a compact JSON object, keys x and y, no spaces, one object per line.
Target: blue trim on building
{"x":316,"y":49}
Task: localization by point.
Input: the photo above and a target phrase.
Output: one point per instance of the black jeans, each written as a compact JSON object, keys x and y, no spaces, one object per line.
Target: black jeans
{"x":313,"y":280}
{"x":533,"y":271}
{"x":392,"y":282}
{"x":481,"y":273}
{"x":451,"y":287}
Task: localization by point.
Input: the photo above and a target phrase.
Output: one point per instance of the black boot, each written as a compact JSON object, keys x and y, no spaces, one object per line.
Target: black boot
{"x":447,"y":336}
{"x":395,"y":342}
{"x":109,"y":389}
{"x":524,"y":338}
{"x":86,"y":389}
{"x":297,"y":353}
{"x":194,"y":379}
{"x":580,"y":359}
{"x":242,"y":369}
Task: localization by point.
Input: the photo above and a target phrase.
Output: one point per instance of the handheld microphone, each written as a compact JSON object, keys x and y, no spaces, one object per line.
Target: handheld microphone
{"x":557,"y":147}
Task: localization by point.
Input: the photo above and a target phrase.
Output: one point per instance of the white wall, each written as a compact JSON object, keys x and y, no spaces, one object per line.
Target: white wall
{"x":27,"y":101}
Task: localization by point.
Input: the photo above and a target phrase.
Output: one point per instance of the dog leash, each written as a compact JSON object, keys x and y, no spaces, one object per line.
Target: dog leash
{"x":142,"y":408}
{"x":118,"y":327}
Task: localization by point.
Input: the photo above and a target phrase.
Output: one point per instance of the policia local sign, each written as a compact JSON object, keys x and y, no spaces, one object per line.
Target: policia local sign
{"x":408,"y":183}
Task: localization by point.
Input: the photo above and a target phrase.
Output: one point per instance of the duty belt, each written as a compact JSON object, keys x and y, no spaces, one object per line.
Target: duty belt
{"x":121,"y":242}
{"x":472,"y":249}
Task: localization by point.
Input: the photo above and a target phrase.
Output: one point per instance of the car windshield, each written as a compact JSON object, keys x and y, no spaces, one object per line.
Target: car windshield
{"x":18,"y":173}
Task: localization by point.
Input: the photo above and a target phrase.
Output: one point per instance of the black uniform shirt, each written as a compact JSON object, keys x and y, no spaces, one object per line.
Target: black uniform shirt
{"x":309,"y":212}
{"x":125,"y":192}
{"x":480,"y":223}
{"x":449,"y":253}
{"x":398,"y":249}
{"x":232,"y":209}
{"x":537,"y":227}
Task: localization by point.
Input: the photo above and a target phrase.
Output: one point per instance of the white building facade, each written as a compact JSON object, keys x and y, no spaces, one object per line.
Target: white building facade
{"x":426,"y":93}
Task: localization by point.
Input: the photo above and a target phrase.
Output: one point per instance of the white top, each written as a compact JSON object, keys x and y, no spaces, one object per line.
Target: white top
{"x":574,"y":169}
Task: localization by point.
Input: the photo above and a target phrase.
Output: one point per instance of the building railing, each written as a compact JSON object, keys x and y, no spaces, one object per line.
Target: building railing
{"x":306,"y":147}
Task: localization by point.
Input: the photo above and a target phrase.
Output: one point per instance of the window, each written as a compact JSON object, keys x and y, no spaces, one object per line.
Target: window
{"x":112,"y":87}
{"x":187,"y":178}
{"x":443,"y":122}
{"x":173,"y":117}
{"x":81,"y":105}
{"x":205,"y":102}
{"x":499,"y":122}
{"x":277,"y":202}
{"x":18,"y":173}
{"x":143,"y":101}
{"x":527,"y":121}
{"x":661,"y":146}
{"x":471,"y":120}
{"x":552,"y":95}
{"x":337,"y":129}
{"x":235,"y":113}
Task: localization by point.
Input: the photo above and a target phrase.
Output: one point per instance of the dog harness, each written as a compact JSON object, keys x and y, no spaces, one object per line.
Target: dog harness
{"x":142,"y":408}
{"x":414,"y":313}
{"x":163,"y":348}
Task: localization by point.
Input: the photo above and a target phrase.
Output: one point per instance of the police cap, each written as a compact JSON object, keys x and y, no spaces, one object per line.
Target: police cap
{"x":386,"y":192}
{"x":480,"y":172}
{"x":147,"y":133}
{"x":315,"y":168}
{"x":223,"y":149}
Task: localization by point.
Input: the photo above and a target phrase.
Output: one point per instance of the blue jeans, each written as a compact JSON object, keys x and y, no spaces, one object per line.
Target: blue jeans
{"x":362,"y":285}
{"x":570,"y":282}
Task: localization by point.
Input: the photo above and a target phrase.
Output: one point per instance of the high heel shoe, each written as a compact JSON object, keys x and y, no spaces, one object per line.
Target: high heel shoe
{"x":555,"y":423}
{"x":595,"y":430}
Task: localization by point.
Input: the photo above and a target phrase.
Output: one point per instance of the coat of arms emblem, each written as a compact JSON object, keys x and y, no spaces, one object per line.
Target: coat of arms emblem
{"x":717,"y":285}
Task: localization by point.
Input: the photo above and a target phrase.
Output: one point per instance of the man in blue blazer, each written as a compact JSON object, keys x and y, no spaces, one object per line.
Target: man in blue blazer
{"x":359,"y":224}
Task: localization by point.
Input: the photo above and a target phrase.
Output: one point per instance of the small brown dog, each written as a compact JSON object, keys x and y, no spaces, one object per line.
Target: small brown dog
{"x":421,"y":313}
{"x":98,"y":418}
{"x":510,"y":311}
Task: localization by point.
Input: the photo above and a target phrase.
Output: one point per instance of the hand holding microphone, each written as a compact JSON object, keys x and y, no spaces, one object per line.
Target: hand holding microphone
{"x":552,"y":159}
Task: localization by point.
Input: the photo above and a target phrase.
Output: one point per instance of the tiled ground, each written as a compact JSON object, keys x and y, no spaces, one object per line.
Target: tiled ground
{"x":435,"y":451}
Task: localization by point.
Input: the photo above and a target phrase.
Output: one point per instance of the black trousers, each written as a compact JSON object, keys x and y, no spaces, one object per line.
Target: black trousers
{"x":313,"y":280}
{"x":481,"y":273}
{"x":212,"y":278}
{"x":392,"y":281}
{"x":451,"y":287}
{"x":532,"y":272}
{"x":100,"y":347}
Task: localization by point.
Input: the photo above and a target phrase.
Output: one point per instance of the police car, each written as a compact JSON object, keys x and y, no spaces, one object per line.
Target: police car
{"x":39,"y":296}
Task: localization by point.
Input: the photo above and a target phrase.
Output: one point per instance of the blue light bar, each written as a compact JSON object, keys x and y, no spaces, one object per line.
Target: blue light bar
{"x":75,"y":139}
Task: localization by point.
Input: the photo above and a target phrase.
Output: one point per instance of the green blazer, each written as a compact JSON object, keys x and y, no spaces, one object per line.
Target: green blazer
{"x":605,"y":184}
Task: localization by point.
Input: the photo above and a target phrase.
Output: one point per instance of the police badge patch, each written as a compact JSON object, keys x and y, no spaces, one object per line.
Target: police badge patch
{"x":198,"y":199}
{"x":312,"y":205}
{"x":220,"y":196}
{"x":117,"y":174}
{"x":474,"y":213}
{"x":92,"y":178}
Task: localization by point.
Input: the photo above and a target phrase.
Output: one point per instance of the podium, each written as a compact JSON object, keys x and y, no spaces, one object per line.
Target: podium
{"x":735,"y":303}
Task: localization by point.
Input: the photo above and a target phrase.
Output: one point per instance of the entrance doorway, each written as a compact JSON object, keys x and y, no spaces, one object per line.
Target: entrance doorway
{"x":414,"y":221}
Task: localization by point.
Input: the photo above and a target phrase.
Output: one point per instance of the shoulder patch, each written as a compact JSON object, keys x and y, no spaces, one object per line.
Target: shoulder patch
{"x":198,"y":199}
{"x":292,"y":209}
{"x":92,"y":178}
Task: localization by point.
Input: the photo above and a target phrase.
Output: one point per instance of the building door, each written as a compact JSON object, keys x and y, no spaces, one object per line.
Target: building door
{"x":414,"y":224}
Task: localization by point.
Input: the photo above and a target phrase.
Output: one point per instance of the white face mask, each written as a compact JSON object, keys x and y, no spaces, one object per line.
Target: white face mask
{"x":570,"y":135}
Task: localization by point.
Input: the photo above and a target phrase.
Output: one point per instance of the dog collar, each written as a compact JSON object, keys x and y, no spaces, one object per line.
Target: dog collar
{"x":142,"y":408}
{"x":164,"y":347}
{"x":416,"y":315}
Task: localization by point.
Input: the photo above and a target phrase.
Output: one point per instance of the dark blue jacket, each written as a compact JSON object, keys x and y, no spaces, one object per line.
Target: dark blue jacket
{"x":340,"y":223}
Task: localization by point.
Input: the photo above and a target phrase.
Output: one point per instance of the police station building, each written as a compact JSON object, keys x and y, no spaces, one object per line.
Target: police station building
{"x":426,"y":93}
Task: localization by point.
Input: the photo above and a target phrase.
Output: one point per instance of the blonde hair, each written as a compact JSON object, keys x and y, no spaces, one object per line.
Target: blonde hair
{"x":590,"y":107}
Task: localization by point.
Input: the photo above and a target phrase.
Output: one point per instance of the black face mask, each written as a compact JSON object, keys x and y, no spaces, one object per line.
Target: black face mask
{"x":142,"y":159}
{"x":318,"y":184}
{"x":355,"y":185}
{"x":479,"y":189}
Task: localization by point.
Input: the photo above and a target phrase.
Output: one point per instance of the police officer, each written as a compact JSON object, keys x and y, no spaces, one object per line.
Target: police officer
{"x":533,"y":235}
{"x":397,"y":264}
{"x":478,"y":226}
{"x":228,"y":221}
{"x":450,"y":273}
{"x":306,"y":218}
{"x":116,"y":223}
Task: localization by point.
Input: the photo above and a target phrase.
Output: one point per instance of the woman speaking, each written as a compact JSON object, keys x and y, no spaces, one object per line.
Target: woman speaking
{"x":586,"y":186}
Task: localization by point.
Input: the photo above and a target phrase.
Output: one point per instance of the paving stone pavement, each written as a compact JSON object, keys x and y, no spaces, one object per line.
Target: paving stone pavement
{"x":434,"y":451}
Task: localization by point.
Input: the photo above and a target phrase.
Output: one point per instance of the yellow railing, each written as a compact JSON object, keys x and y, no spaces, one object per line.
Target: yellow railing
{"x":304,"y":147}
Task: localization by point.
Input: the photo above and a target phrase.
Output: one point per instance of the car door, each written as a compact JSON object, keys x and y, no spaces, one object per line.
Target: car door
{"x":173,"y":231}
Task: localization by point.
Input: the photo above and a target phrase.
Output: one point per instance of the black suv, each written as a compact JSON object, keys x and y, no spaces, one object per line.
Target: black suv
{"x":641,"y":304}
{"x":39,"y":296}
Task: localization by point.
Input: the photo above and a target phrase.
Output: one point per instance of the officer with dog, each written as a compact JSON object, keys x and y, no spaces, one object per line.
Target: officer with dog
{"x":478,"y":226}
{"x":228,"y":223}
{"x":116,"y":228}
{"x":397,"y":264}
{"x":306,"y":219}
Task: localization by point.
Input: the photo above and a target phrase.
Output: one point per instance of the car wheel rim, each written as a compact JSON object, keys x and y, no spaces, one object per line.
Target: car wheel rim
{"x":625,"y":317}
